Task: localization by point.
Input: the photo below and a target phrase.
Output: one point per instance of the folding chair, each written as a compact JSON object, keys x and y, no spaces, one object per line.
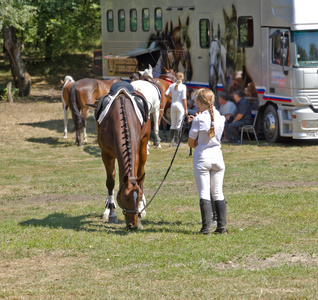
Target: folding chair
{"x":250,"y":128}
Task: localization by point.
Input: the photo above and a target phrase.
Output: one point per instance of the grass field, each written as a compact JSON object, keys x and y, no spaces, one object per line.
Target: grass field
{"x":54,"y":245}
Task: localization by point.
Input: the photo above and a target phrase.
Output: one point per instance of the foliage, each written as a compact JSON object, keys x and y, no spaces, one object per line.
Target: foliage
{"x":15,"y":13}
{"x":14,"y":92}
{"x":52,"y":27}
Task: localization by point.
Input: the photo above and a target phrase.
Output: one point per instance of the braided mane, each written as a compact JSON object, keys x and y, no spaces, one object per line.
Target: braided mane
{"x":126,"y":137}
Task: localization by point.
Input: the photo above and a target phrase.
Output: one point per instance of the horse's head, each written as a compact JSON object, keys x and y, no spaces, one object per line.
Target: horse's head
{"x":147,"y":72}
{"x":128,"y":198}
{"x":171,"y":74}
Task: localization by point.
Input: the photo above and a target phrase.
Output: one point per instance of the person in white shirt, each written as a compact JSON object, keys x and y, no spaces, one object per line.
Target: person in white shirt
{"x":227,"y":108}
{"x":208,"y":164}
{"x":179,"y":107}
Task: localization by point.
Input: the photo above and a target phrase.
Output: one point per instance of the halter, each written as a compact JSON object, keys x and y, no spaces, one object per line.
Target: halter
{"x":125,"y":210}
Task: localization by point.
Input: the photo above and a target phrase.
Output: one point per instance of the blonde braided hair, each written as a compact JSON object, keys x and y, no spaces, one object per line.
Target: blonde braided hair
{"x":206,"y":97}
{"x":180,"y":78}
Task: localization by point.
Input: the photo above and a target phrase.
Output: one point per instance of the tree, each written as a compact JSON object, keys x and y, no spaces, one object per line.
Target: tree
{"x":14,"y":14}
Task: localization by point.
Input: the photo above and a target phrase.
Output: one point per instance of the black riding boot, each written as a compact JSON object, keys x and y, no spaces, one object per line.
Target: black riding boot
{"x":206,"y":216}
{"x":172,"y":137}
{"x":214,"y":218}
{"x":220,"y":207}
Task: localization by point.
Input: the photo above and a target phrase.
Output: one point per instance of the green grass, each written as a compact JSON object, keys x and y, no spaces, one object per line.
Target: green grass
{"x":53,"y":244}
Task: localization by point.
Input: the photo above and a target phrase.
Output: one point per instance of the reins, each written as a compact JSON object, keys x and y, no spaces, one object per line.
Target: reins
{"x":164,"y":178}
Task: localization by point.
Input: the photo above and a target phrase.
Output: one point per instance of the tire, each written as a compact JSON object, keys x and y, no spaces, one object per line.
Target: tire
{"x":271,"y":124}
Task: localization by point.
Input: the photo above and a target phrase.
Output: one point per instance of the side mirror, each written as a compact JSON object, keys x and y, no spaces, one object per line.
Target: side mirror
{"x":284,"y":52}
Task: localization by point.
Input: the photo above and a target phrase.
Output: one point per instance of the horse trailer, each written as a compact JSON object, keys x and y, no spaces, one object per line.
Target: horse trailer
{"x":268,"y":48}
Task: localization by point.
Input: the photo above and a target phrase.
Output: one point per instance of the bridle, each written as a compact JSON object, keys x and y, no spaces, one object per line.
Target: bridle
{"x":125,"y":210}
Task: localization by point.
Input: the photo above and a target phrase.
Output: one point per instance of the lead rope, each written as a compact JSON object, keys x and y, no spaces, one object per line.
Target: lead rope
{"x":164,"y":178}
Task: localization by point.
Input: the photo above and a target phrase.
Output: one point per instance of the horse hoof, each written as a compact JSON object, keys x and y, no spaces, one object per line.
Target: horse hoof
{"x":159,"y":146}
{"x":113,"y":219}
{"x":64,"y":136}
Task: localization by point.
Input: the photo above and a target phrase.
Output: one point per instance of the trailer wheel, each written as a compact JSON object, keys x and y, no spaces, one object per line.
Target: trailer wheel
{"x":271,"y":124}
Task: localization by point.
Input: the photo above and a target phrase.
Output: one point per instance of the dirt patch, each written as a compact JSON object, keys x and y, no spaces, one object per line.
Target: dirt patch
{"x":277,"y":260}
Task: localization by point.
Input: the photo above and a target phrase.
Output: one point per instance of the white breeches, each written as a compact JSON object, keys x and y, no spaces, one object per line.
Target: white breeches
{"x":177,"y":111}
{"x":209,"y":178}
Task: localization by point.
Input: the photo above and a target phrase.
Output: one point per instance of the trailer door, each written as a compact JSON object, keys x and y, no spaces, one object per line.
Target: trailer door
{"x":277,"y":118}
{"x":280,"y":74}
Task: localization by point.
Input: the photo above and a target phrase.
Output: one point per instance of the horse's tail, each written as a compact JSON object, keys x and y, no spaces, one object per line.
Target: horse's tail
{"x":77,"y":117}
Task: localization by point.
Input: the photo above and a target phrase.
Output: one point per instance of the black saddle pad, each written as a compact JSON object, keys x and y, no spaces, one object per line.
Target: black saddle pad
{"x":140,"y":101}
{"x":120,"y":85}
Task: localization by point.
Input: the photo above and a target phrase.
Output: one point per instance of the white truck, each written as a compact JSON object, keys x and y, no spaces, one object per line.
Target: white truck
{"x":268,"y":48}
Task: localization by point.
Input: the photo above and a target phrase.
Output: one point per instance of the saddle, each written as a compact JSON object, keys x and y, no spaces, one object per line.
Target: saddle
{"x":167,"y":77}
{"x":119,"y":88}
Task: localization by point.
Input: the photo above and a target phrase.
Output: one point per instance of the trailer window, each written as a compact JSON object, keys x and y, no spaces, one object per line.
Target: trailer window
{"x":306,"y":45}
{"x":121,"y":20}
{"x":204,"y":33}
{"x":158,"y":19}
{"x":133,"y":20}
{"x":246,"y":34}
{"x":145,"y":19}
{"x":110,"y":21}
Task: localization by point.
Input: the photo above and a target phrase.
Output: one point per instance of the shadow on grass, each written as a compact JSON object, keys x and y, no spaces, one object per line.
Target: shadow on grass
{"x":53,"y":142}
{"x":93,"y":223}
{"x":89,"y":223}
{"x":93,"y":150}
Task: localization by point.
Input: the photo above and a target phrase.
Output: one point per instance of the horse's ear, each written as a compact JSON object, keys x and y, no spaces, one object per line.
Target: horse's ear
{"x":141,"y":179}
{"x":226,"y":19}
{"x":62,"y":82}
{"x":234,"y":16}
{"x":150,"y":68}
{"x":171,"y":27}
{"x":167,"y":26}
{"x":188,"y":20}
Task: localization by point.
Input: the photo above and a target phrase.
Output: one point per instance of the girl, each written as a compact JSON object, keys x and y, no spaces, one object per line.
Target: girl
{"x":208,"y":165}
{"x":179,"y":107}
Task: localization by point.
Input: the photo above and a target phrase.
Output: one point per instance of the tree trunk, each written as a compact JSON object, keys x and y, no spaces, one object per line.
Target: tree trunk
{"x":9,"y":98}
{"x":21,"y":77}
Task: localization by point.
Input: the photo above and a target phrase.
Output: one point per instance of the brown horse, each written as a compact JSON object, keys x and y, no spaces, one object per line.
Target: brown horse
{"x":86,"y":91}
{"x":122,"y":136}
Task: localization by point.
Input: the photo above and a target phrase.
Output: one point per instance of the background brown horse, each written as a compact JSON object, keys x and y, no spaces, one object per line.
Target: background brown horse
{"x":121,"y":136}
{"x":86,"y":91}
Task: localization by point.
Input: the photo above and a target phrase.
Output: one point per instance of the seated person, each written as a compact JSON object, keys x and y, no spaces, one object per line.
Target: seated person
{"x":227,"y":108}
{"x":242,"y":117}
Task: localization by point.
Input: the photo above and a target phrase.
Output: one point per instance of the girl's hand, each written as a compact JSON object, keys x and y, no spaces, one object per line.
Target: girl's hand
{"x":190,"y":118}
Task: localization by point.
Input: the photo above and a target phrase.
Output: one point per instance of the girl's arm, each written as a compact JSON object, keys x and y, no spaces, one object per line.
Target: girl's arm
{"x":192,"y":143}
